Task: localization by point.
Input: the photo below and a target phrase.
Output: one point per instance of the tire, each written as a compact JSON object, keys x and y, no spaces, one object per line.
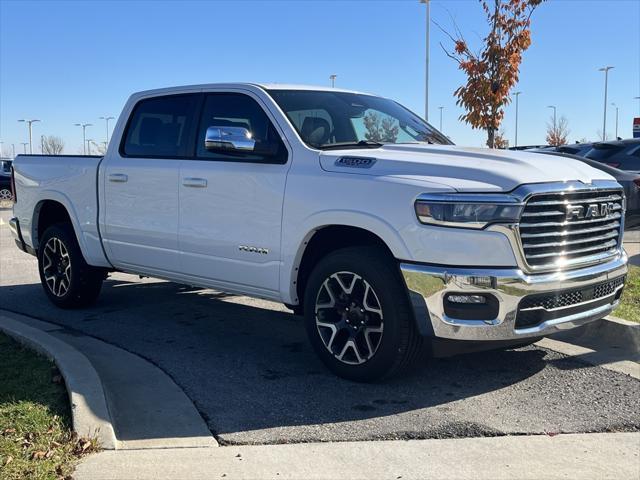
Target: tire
{"x":358,"y":317}
{"x":67,"y":279}
{"x":5,"y":198}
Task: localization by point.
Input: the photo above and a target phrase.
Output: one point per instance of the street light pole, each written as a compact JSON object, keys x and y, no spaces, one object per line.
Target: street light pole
{"x":42,"y":144}
{"x":333,"y":80}
{"x":517,"y":94}
{"x":84,"y":135}
{"x":614,"y":105}
{"x":604,"y":118}
{"x":29,"y":123}
{"x":89,"y":140}
{"x":106,"y":119}
{"x":441,"y":108}
{"x":426,"y":62}
{"x":13,"y":149}
{"x":24,"y":146}
{"x":554,"y":115}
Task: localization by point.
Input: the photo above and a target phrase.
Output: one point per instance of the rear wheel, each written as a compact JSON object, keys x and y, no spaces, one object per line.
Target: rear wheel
{"x":5,"y":198}
{"x":67,"y":279}
{"x":358,"y":316}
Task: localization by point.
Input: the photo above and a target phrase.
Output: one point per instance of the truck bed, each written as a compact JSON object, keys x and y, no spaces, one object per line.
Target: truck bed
{"x":68,"y":179}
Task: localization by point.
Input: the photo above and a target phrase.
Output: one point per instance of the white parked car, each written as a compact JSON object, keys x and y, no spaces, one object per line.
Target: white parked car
{"x":345,"y":206}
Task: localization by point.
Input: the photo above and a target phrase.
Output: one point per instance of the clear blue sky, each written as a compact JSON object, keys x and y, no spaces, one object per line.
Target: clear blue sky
{"x":73,"y":61}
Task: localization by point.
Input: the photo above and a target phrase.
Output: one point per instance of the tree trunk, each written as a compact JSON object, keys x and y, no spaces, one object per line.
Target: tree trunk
{"x":491,"y":133}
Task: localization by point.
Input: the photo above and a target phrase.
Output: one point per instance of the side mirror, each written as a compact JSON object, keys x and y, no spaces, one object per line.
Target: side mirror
{"x":229,"y":138}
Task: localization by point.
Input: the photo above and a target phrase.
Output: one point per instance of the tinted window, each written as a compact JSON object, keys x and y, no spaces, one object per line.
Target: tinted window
{"x":603,"y":152}
{"x":327,"y":119}
{"x":161,"y":127}
{"x":238,"y":110}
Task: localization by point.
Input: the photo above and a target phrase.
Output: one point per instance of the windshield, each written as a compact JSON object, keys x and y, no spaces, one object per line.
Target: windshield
{"x":326,"y":120}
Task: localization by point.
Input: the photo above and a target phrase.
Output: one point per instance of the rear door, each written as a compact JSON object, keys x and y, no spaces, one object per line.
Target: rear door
{"x":141,"y":184}
{"x":231,"y":202}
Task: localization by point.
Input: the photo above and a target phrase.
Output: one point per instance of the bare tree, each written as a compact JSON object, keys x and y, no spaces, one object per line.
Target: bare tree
{"x":558,"y":132}
{"x":52,"y":145}
{"x":500,"y":140}
{"x":380,"y":130}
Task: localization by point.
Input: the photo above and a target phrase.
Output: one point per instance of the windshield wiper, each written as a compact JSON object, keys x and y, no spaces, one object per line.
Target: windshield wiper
{"x":360,"y":144}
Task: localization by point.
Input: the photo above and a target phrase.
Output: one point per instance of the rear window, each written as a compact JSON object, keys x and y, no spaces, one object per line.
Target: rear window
{"x":603,"y":152}
{"x":161,"y":127}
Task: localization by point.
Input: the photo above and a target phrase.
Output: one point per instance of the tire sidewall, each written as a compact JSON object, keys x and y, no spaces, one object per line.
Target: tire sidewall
{"x":79,"y":267}
{"x":387,"y":286}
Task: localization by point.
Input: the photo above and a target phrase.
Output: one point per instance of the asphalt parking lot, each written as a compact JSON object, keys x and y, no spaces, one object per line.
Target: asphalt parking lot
{"x":247,"y":367}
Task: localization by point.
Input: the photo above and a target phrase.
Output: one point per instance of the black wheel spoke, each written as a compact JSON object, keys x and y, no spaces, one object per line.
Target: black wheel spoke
{"x":56,"y":267}
{"x":349,"y":317}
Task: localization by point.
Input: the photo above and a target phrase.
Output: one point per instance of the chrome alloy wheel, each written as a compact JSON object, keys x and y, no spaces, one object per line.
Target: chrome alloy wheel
{"x":349,"y":318}
{"x":5,"y":194}
{"x":57,"y":267}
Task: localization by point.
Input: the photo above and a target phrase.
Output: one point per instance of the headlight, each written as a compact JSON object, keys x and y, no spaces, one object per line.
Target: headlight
{"x":467,"y":210}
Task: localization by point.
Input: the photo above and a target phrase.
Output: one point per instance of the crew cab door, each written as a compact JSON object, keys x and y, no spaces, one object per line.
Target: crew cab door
{"x":231,"y":202}
{"x":141,"y":183}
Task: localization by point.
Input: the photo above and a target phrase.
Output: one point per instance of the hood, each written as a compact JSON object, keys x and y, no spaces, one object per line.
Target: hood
{"x":461,"y":168}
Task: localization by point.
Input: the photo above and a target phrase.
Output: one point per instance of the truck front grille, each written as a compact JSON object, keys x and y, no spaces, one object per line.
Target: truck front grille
{"x":535,"y":309}
{"x":571,"y":228}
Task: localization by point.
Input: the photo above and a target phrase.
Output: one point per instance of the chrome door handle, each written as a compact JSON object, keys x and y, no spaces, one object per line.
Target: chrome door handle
{"x":194,"y":182}
{"x":118,"y":177}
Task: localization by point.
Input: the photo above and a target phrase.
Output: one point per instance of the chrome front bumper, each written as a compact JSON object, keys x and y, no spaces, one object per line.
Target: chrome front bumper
{"x":429,"y":285}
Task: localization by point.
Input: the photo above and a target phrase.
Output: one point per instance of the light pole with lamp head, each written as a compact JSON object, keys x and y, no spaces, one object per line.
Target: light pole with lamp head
{"x":24,"y":145}
{"x":606,"y":83}
{"x":29,"y":123}
{"x":616,"y":107}
{"x":84,"y":135}
{"x":333,"y":80}
{"x":106,"y":119}
{"x":554,"y":115}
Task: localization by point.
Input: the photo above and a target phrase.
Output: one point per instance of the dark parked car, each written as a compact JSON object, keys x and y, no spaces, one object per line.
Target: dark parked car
{"x":579,"y":149}
{"x":622,"y":154}
{"x":5,"y":183}
{"x":630,"y":182}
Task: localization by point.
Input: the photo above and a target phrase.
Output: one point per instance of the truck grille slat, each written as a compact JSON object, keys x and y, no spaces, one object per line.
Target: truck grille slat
{"x":573,"y":227}
{"x":565,"y":233}
{"x":538,"y":203}
{"x":565,"y":223}
{"x":605,"y":246}
{"x":570,"y":242}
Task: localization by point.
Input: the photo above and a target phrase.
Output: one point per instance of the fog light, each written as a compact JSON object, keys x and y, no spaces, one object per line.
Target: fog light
{"x":467,"y":299}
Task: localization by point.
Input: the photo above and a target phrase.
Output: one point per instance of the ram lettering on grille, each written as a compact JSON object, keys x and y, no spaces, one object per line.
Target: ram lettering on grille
{"x":571,"y":228}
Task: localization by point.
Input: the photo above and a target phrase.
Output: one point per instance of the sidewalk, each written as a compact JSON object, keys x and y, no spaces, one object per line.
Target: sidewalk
{"x":583,"y":456}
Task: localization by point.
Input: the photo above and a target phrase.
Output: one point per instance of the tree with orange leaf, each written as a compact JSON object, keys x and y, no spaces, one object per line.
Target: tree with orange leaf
{"x":492,"y":72}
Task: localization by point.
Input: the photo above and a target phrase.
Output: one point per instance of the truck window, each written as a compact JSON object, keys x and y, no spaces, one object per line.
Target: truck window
{"x":238,"y":110}
{"x":161,"y":127}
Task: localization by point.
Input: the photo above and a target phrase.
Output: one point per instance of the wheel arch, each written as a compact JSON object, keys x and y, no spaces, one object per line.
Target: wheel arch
{"x":324,"y":239}
{"x":49,"y":211}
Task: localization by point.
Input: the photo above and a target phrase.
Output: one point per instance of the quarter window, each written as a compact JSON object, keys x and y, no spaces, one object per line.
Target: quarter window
{"x":161,"y":127}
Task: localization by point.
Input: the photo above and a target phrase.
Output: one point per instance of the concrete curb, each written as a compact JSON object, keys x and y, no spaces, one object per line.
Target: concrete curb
{"x":612,"y":343}
{"x":89,"y":410}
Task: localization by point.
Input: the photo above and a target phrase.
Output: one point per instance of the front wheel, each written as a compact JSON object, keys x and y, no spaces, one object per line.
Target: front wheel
{"x":67,"y":279}
{"x":358,"y":316}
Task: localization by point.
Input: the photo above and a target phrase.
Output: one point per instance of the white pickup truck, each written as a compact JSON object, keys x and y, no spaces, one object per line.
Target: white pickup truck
{"x":345,"y":206}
